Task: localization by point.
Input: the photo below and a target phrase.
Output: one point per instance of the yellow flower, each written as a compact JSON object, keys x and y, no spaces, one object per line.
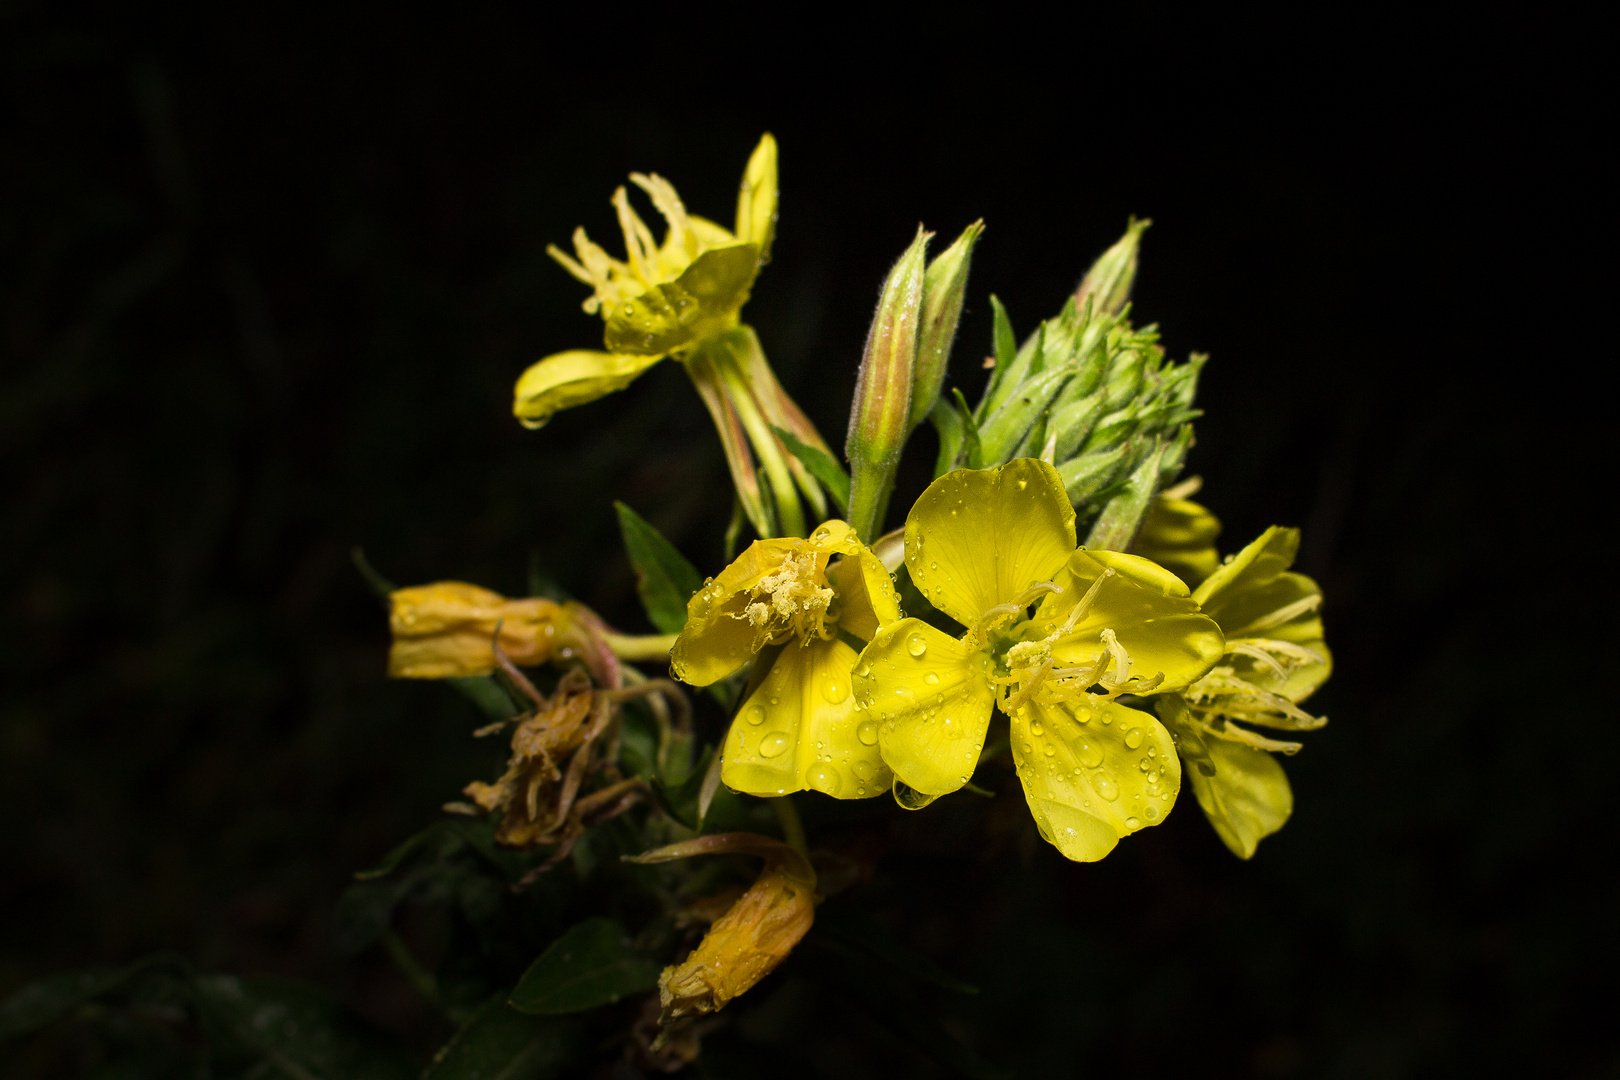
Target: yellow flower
{"x":798,"y":727}
{"x":446,"y":629}
{"x":984,"y":546}
{"x":663,"y":298}
{"x":1275,"y":658}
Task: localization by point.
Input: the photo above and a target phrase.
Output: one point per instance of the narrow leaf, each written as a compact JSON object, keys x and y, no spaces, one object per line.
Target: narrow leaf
{"x":665,"y":580}
{"x":590,"y":965}
{"x":821,"y":466}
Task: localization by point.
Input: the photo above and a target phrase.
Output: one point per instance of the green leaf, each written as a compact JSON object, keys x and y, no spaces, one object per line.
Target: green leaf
{"x":821,"y":466}
{"x":298,"y":1031}
{"x":500,"y":1043}
{"x":680,"y":800}
{"x":665,"y":580}
{"x":590,"y":965}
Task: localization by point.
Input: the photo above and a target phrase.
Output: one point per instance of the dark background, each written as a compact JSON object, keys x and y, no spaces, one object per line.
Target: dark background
{"x":267,"y":282}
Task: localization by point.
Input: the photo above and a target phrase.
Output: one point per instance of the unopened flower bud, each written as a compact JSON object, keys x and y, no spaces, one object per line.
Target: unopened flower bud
{"x":1108,"y":283}
{"x":944,"y":286}
{"x":880,"y":417}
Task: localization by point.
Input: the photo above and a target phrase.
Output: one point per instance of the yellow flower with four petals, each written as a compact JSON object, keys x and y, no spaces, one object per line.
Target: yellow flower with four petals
{"x":787,"y":601}
{"x":985,"y":547}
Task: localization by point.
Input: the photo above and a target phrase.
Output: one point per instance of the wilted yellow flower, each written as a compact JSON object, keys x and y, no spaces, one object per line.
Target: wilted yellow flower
{"x":786,"y":600}
{"x":681,"y":298}
{"x":447,"y":629}
{"x":1275,"y":658}
{"x":663,"y":298}
{"x":984,"y":546}
{"x":746,"y":943}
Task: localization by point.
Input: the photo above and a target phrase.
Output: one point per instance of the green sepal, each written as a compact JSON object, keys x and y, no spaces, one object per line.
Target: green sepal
{"x":665,"y":580}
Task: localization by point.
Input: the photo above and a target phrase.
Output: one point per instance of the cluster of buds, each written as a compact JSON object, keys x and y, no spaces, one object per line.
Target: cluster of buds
{"x":1090,"y":394}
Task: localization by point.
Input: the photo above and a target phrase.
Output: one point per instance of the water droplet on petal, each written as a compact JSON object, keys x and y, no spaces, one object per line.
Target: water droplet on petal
{"x":756,"y":714}
{"x":1133,"y":823}
{"x":867,"y":733}
{"x":916,"y":645}
{"x":1035,"y":728}
{"x":773,"y":744}
{"x":1134,"y":737}
{"x":1152,"y":812}
{"x":825,"y":779}
{"x":863,"y":769}
{"x":1105,"y":787}
{"x":1089,"y":755}
{"x":835,"y":690}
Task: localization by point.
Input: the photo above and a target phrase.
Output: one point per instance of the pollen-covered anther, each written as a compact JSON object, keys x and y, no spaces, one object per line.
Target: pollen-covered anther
{"x":792,"y":601}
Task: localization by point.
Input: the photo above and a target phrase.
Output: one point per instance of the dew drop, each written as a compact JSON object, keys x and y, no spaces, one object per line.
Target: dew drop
{"x":1035,"y":728}
{"x":1133,"y":823}
{"x":915,"y":645}
{"x":867,"y":733}
{"x":1134,"y":737}
{"x":863,"y":671}
{"x":931,"y":679}
{"x":1106,"y":787}
{"x":1153,"y":776}
{"x":825,"y":778}
{"x":835,"y":690}
{"x":1152,"y":812}
{"x":756,"y":714}
{"x":863,"y":769}
{"x":773,"y":744}
{"x":820,"y":534}
{"x":1050,"y":749}
{"x":1089,"y":755}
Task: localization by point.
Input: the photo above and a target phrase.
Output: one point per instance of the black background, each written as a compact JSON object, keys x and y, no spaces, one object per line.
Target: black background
{"x":268,"y":279}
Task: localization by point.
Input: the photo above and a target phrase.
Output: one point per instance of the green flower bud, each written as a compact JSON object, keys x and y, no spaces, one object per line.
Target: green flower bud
{"x":1108,"y":283}
{"x":944,"y":286}
{"x":880,"y":416}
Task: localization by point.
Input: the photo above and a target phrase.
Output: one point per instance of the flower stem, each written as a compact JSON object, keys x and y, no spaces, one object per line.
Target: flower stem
{"x":640,"y":646}
{"x":787,"y":815}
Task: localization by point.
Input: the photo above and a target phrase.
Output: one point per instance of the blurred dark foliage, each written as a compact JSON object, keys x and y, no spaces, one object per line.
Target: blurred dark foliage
{"x":268,"y":280}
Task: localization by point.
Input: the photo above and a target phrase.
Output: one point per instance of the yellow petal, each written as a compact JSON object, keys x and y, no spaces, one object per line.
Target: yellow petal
{"x":1247,"y":799}
{"x":1148,"y":609}
{"x":1180,"y":535}
{"x":445,"y":630}
{"x":756,"y":201}
{"x":719,"y":637}
{"x":865,"y":592}
{"x":979,"y":538}
{"x":1093,"y":774}
{"x":930,"y":698}
{"x":567,"y":379}
{"x":799,"y":730}
{"x":1252,"y":596}
{"x":675,"y":315}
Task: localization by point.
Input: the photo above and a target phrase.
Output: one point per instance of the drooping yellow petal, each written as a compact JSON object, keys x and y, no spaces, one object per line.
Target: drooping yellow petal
{"x":800,"y":730}
{"x":976,"y":539}
{"x":567,"y":379}
{"x":1180,"y":535}
{"x":673,"y":316}
{"x":756,"y":201}
{"x":929,"y":697}
{"x":1148,"y":609}
{"x":1247,"y":799}
{"x":776,"y":587}
{"x":1255,"y":598}
{"x":446,"y":629}
{"x":1093,"y":774}
{"x":866,"y":593}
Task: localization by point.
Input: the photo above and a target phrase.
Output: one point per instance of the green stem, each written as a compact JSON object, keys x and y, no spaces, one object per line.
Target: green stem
{"x":787,"y":815}
{"x":421,"y":980}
